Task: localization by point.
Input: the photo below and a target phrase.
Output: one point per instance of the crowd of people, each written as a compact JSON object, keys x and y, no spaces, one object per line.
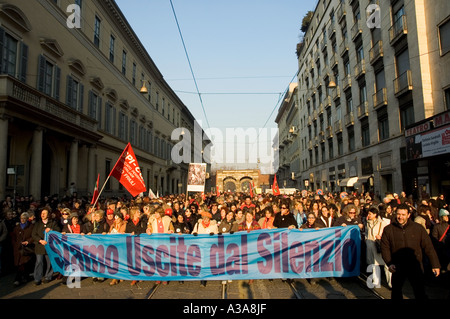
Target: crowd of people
{"x":24,"y":221}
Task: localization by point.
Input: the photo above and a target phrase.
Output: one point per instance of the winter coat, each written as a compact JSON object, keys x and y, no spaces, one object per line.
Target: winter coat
{"x":39,"y":234}
{"x":200,"y":228}
{"x":243,"y":226}
{"x":284,"y":221}
{"x":139,"y":228}
{"x":228,"y":226}
{"x":102,"y":227}
{"x":402,"y":246}
{"x":3,"y":232}
{"x":18,"y":236}
{"x":372,"y":229}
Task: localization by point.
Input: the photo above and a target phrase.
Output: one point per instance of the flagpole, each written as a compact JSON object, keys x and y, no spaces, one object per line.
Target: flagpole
{"x":103,"y":187}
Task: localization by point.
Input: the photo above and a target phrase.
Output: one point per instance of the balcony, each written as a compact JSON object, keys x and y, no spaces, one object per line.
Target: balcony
{"x":331,"y":30}
{"x":336,"y":93}
{"x":398,"y":30}
{"x":327,"y":102}
{"x":33,"y":104}
{"x":376,"y":52}
{"x":323,"y":44}
{"x":356,"y":30}
{"x":329,"y":132}
{"x":360,"y":69}
{"x":343,"y":47}
{"x":347,"y":82}
{"x":380,"y":98}
{"x":338,"y":126}
{"x":403,"y":84}
{"x":310,"y":145}
{"x":333,"y":61}
{"x":320,"y":109}
{"x":321,"y":136}
{"x":363,"y":110}
{"x":349,"y":119}
{"x":341,"y":12}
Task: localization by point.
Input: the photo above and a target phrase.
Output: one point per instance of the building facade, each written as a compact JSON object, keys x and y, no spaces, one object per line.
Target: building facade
{"x":70,"y":101}
{"x":368,"y":71}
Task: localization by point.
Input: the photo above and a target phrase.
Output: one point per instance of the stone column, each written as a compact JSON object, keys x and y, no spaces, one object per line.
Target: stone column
{"x":3,"y":153}
{"x":91,"y":170}
{"x":73,"y":164}
{"x":36,"y":163}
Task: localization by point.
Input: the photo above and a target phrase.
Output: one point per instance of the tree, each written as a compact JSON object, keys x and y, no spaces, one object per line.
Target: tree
{"x":306,"y":21}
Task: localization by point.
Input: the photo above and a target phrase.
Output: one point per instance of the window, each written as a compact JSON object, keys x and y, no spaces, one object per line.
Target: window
{"x":124,"y":62}
{"x":95,"y":107}
{"x":407,"y":115}
{"x":74,"y":94}
{"x":340,"y":142}
{"x":123,"y":126}
{"x":49,"y":76}
{"x":447,"y":99}
{"x":133,"y":77}
{"x":112,"y":42}
{"x":142,"y":137}
{"x":110,"y":118}
{"x":351,"y":138}
{"x":444,"y":37}
{"x":383,"y":124}
{"x":365,"y":133}
{"x":97,"y":25}
{"x":133,"y":132}
{"x":330,"y":149}
{"x":13,"y":56}
{"x":107,"y":172}
{"x":150,"y":141}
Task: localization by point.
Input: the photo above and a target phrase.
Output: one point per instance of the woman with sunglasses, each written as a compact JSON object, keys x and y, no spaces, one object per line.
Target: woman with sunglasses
{"x":285,"y":219}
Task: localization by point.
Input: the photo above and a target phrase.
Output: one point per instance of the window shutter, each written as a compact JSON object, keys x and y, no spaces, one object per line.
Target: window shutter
{"x":57,"y":82}
{"x":69,"y":91}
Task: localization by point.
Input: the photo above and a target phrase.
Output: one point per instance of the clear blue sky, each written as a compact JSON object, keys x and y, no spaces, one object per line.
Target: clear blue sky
{"x":234,"y":46}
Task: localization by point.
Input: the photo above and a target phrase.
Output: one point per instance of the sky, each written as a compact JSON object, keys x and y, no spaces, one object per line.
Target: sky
{"x":241,"y":54}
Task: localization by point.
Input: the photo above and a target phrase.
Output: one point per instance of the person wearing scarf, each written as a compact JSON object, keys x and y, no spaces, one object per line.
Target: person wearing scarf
{"x":267,"y":221}
{"x":22,"y":237}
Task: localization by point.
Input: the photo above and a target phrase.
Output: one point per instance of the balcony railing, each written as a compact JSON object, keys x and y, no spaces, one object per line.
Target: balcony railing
{"x":349,"y":119}
{"x":376,"y":52}
{"x":341,"y":12}
{"x":45,"y":103}
{"x":343,"y":47}
{"x":331,"y":29}
{"x":356,"y":30}
{"x":360,"y":69}
{"x":363,"y":110}
{"x":329,"y":132}
{"x":327,"y":102}
{"x":323,"y":44}
{"x":338,"y":126}
{"x":403,"y":84}
{"x":347,"y":82}
{"x":333,"y":61}
{"x":398,"y":29}
{"x":380,"y":98}
{"x":336,"y":93}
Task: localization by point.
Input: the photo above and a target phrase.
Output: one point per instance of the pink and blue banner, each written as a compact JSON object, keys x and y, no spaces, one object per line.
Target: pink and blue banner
{"x":259,"y":254}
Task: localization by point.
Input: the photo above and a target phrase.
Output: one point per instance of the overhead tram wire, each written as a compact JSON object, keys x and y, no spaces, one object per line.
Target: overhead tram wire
{"x":189,"y":62}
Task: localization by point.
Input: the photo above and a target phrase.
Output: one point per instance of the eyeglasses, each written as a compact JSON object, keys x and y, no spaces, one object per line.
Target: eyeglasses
{"x":352,"y":212}
{"x":283,"y":207}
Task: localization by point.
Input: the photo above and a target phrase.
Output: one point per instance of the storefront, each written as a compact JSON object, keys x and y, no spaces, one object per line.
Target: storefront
{"x":426,"y":170}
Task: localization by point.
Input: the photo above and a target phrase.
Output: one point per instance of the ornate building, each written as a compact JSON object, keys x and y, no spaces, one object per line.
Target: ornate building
{"x":71,"y":100}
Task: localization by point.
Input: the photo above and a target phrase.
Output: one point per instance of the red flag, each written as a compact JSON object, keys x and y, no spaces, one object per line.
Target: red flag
{"x":251,"y":190}
{"x":128,"y":173}
{"x":275,"y":188}
{"x":217,"y":191}
{"x":96,"y":193}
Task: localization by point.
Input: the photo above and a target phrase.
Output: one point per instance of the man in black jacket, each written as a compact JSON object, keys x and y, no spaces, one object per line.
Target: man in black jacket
{"x":42,"y":226}
{"x":402,"y":244}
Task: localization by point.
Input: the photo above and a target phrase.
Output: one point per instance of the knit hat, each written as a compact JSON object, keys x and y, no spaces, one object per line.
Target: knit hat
{"x":443,"y":212}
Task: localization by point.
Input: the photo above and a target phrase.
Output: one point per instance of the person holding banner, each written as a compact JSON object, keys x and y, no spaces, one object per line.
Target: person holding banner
{"x":136,"y":225}
{"x":42,"y":226}
{"x":311,"y":222}
{"x":97,"y":224}
{"x":267,"y":221}
{"x":118,"y":227}
{"x":285,"y":219}
{"x":249,"y":223}
{"x":160,"y":223}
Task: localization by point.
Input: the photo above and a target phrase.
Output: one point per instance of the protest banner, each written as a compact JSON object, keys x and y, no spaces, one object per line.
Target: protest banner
{"x":260,"y":254}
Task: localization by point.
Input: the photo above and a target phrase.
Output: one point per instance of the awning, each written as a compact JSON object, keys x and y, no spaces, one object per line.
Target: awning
{"x":362,"y":180}
{"x":348,"y":182}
